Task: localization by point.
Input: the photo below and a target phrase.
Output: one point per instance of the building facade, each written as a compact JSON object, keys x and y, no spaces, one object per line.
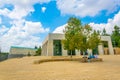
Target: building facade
{"x":52,"y":46}
{"x":20,"y":51}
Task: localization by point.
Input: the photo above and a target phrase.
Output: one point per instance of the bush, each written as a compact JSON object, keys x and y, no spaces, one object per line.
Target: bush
{"x":28,"y":54}
{"x":3,"y":56}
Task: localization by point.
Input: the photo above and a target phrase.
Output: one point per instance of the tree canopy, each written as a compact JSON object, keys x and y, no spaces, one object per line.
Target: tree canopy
{"x":116,"y":36}
{"x":38,"y":51}
{"x":80,"y":37}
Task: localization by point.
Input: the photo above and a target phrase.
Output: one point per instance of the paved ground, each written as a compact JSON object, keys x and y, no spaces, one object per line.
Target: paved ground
{"x":24,"y":69}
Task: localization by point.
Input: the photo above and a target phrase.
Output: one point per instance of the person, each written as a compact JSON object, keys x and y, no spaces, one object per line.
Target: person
{"x":96,"y":56}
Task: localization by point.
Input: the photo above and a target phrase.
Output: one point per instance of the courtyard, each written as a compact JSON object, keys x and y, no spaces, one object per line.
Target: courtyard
{"x":24,"y":69}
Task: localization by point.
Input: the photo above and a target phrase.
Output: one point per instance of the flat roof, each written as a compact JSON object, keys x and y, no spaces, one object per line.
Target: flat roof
{"x":22,"y":47}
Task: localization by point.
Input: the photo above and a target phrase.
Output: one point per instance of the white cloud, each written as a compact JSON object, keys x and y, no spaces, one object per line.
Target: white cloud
{"x":21,"y":7}
{"x":22,"y":32}
{"x":0,"y":20}
{"x":22,"y":3}
{"x":3,"y":29}
{"x":43,"y":9}
{"x":4,"y":12}
{"x":22,"y":35}
{"x":84,"y":8}
{"x":109,"y":26}
{"x":60,"y":29}
{"x":34,"y":28}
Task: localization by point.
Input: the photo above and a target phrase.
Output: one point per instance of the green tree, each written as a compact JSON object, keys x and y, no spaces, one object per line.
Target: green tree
{"x":79,"y":37}
{"x":93,"y":40}
{"x":104,"y":33}
{"x":38,"y":51}
{"x":116,"y":36}
{"x":36,"y":47}
{"x":90,"y":38}
{"x":72,"y":34}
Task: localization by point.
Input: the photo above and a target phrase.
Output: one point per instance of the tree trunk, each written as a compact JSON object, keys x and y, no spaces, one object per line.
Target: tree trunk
{"x":84,"y":54}
{"x":71,"y":53}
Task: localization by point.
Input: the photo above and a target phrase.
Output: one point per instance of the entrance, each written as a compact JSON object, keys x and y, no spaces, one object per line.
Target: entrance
{"x":57,"y":48}
{"x":95,"y":51}
{"x":105,"y":46}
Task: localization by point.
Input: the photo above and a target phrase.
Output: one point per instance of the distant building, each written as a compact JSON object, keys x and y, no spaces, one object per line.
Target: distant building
{"x":20,"y":51}
{"x":52,"y":46}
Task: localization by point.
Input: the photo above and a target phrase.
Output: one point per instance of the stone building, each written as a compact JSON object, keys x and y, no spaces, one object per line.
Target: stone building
{"x":20,"y":51}
{"x":52,"y":45}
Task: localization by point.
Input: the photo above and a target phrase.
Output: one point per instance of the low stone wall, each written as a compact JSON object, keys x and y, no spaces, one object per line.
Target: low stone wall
{"x":106,"y":51}
{"x":83,"y":60}
{"x":117,"y":51}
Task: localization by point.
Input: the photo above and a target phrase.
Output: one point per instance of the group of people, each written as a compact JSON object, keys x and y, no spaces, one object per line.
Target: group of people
{"x":92,"y":56}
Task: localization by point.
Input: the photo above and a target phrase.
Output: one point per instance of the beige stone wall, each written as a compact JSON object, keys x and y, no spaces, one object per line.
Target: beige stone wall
{"x":22,"y":51}
{"x":117,"y":51}
{"x":47,"y":45}
{"x":106,"y":51}
{"x":110,"y":47}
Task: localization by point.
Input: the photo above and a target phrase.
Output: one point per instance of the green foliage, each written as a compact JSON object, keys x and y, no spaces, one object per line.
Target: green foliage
{"x":28,"y":54}
{"x":104,"y":33}
{"x":80,"y":37}
{"x":93,"y":40}
{"x":3,"y":56}
{"x":116,"y":36}
{"x":71,"y":34}
{"x":38,"y":51}
{"x":36,"y":47}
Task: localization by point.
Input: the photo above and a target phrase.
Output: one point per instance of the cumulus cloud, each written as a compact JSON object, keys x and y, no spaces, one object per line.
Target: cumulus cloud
{"x":60,"y":29}
{"x":4,"y":12}
{"x":109,"y":26}
{"x":21,"y":32}
{"x":21,"y":7}
{"x":43,"y":9}
{"x":34,"y":28}
{"x":23,"y":35}
{"x":3,"y":29}
{"x":84,"y":8}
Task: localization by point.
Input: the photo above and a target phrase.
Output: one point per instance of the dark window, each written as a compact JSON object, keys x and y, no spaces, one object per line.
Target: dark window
{"x":57,"y":47}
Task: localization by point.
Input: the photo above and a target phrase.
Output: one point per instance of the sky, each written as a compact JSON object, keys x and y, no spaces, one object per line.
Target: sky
{"x":26,"y":23}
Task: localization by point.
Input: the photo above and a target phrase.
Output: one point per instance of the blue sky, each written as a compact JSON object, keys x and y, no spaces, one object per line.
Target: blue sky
{"x":26,"y":23}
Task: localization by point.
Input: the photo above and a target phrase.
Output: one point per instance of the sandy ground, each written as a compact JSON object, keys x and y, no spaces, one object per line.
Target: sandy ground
{"x":24,"y":69}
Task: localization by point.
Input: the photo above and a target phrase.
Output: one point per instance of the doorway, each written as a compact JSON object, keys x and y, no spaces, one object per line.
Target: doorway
{"x":57,"y":48}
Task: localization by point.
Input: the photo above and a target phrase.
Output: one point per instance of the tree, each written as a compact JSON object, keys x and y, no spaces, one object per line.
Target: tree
{"x":93,"y":40}
{"x":36,"y":47}
{"x":116,"y":36}
{"x":72,"y":34}
{"x":79,"y":37}
{"x":90,"y":38}
{"x":38,"y":51}
{"x":104,"y":33}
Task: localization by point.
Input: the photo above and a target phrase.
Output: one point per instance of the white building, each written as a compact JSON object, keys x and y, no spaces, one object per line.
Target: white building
{"x":52,"y":46}
{"x":21,"y":51}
